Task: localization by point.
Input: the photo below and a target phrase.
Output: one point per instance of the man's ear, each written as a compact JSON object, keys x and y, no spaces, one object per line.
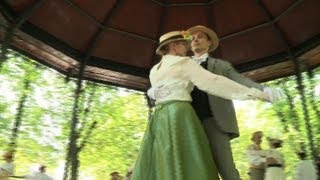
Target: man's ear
{"x":209,"y":42}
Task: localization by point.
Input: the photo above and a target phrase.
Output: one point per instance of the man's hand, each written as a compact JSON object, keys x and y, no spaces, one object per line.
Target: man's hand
{"x":151,"y":94}
{"x":274,"y":94}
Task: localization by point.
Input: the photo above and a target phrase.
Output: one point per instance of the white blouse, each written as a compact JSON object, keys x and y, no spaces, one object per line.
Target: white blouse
{"x":176,"y":76}
{"x":255,"y":159}
{"x":274,"y":153}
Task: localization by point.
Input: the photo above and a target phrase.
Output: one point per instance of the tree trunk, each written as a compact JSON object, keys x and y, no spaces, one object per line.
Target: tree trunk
{"x":18,"y":119}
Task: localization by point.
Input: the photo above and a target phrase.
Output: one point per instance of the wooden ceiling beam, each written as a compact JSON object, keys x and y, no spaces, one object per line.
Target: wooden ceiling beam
{"x":190,"y":4}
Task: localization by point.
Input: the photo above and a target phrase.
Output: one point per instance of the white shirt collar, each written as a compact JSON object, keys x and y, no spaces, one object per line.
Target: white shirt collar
{"x":200,"y":59}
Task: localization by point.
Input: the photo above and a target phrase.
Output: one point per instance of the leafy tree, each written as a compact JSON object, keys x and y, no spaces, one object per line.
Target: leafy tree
{"x":120,"y":116}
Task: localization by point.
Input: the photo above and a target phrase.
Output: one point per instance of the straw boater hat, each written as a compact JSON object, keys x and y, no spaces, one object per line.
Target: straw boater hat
{"x":171,"y":37}
{"x":212,"y":35}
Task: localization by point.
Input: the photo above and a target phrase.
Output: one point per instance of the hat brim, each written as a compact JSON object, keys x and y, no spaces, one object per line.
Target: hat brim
{"x":160,"y":52}
{"x":274,"y":140}
{"x":212,"y":35}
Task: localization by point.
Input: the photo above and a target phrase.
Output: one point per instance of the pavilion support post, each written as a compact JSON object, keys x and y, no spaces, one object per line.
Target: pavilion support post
{"x":11,"y":29}
{"x":18,"y":116}
{"x":72,"y":160}
{"x":306,"y":115}
{"x":72,"y":152}
{"x":313,"y":86}
{"x":73,"y":149}
{"x":297,"y":67}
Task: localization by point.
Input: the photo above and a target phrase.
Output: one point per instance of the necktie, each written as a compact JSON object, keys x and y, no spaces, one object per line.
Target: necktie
{"x":199,"y":60}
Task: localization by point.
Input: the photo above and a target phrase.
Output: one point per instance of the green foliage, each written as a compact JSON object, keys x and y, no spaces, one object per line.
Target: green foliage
{"x":115,"y":143}
{"x":121,"y":116}
{"x":259,"y":116}
{"x":285,"y":120}
{"x":302,"y":116}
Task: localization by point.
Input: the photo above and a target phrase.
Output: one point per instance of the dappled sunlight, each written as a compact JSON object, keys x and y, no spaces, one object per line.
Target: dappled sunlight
{"x":317,"y":90}
{"x":250,"y":115}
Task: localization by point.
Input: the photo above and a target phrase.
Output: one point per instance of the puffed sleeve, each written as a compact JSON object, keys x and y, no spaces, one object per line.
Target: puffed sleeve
{"x":217,"y":85}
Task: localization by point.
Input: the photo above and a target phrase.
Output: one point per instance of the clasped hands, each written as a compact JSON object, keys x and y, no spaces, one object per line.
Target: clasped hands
{"x":273,"y":94}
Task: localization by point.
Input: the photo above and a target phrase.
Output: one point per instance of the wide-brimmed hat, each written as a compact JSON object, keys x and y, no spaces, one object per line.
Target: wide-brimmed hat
{"x":211,"y":34}
{"x":274,"y":140}
{"x":171,"y":37}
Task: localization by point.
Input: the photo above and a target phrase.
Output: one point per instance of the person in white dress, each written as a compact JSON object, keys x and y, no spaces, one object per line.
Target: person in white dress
{"x":305,"y":169}
{"x":256,"y":162}
{"x":274,"y":171}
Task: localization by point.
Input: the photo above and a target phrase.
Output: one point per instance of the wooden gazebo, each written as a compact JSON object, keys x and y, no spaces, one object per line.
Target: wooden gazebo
{"x":116,"y":39}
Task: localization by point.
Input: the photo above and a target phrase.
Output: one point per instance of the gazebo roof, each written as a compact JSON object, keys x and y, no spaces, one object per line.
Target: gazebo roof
{"x":117,"y":39}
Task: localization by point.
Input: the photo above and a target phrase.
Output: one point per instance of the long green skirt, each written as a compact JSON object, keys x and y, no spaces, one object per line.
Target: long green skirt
{"x":175,"y":146}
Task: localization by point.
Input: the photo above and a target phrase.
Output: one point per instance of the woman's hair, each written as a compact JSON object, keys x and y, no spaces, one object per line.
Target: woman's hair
{"x":302,"y":155}
{"x":165,"y":49}
{"x":257,"y":134}
{"x":277,"y":144}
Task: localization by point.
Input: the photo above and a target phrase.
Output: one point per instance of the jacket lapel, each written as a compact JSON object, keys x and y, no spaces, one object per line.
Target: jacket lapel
{"x":211,"y":64}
